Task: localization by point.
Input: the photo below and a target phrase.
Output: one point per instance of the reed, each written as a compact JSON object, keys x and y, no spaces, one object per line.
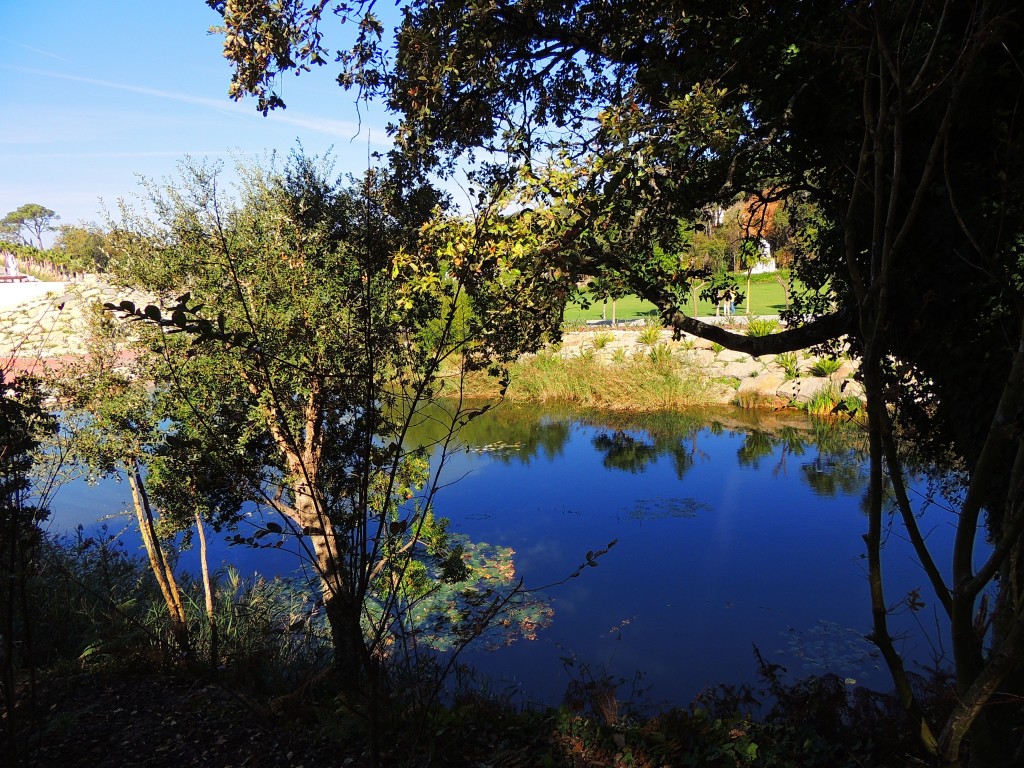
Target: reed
{"x":642,"y":382}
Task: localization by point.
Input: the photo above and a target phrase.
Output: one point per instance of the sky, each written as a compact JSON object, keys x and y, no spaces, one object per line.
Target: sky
{"x":95,"y":94}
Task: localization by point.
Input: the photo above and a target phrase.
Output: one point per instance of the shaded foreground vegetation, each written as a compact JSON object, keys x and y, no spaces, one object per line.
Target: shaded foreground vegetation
{"x":129,"y":697}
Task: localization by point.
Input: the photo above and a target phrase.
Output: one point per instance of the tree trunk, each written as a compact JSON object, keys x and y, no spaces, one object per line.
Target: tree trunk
{"x":341,"y":609}
{"x":211,"y":618}
{"x":162,"y":571}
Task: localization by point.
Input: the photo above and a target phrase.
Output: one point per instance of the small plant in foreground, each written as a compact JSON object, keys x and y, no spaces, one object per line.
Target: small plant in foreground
{"x":826,"y":366}
{"x":716,"y":348}
{"x":602,"y":339}
{"x":824,"y":401}
{"x":788,"y":362}
{"x":660,"y":355}
{"x":762,"y":326}
{"x":619,"y":355}
{"x":650,"y":335}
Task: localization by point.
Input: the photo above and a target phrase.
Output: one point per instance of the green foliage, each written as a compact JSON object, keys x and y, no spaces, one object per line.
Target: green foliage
{"x":650,"y":335}
{"x":826,"y":366}
{"x":789,"y":363}
{"x":602,"y":339}
{"x":82,"y":249}
{"x":761,"y":326}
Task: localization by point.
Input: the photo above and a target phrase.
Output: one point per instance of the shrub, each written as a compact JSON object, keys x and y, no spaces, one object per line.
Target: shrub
{"x":716,"y":347}
{"x":660,"y":355}
{"x":650,"y":335}
{"x":788,"y":362}
{"x":602,"y":339}
{"x":826,"y":366}
{"x":760,"y":326}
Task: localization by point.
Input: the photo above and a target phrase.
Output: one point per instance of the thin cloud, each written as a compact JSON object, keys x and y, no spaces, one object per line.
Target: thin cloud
{"x":40,"y":51}
{"x":202,"y":101}
{"x":110,"y":155}
{"x":344,"y":129}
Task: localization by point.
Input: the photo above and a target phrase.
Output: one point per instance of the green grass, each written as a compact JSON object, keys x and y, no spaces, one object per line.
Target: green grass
{"x":767,"y":298}
{"x":643,"y":382}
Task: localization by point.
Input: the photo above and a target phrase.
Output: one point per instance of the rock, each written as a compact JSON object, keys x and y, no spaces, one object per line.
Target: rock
{"x":851,"y":388}
{"x":766,"y":383}
{"x":729,"y":356}
{"x":803,"y":390}
{"x":738,"y":370}
{"x":762,"y":391}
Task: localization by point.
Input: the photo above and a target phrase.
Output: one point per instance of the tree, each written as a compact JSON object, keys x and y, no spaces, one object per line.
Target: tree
{"x":30,"y":221}
{"x":316,"y":320}
{"x":24,"y":424}
{"x":82,"y":248}
{"x":118,"y":424}
{"x":895,"y":119}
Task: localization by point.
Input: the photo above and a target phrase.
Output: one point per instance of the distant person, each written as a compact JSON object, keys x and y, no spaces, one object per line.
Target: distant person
{"x":11,"y":263}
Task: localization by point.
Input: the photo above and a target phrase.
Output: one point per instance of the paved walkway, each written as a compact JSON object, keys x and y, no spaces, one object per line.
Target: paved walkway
{"x":16,"y":294}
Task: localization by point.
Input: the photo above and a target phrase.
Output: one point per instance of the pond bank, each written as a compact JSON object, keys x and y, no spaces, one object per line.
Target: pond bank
{"x":630,"y":367}
{"x":643,"y":368}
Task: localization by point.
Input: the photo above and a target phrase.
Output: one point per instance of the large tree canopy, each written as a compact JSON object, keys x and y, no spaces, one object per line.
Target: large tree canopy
{"x":28,"y":223}
{"x":897,"y":120}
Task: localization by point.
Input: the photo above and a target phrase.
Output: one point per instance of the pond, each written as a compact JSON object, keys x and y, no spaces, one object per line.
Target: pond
{"x":732,"y":531}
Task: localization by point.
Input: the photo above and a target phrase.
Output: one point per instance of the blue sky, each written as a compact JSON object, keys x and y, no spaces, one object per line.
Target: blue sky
{"x":95,"y":93}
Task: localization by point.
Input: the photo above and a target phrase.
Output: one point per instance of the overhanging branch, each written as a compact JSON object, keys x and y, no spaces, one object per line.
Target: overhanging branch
{"x":819,"y":331}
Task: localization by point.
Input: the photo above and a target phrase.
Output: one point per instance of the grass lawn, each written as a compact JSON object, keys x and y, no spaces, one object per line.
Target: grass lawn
{"x":766,"y":298}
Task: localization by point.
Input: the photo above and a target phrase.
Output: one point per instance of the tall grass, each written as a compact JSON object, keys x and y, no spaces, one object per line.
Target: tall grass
{"x":642,"y":382}
{"x":94,"y":603}
{"x":824,"y":400}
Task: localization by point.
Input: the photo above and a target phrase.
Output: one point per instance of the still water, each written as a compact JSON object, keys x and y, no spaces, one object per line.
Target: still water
{"x":733,"y":531}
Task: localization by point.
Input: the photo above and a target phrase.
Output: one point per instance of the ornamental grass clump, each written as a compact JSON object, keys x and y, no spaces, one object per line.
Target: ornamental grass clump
{"x":826,"y":366}
{"x":650,"y":335}
{"x":789,"y":363}
{"x":762,"y":326}
{"x":602,"y":339}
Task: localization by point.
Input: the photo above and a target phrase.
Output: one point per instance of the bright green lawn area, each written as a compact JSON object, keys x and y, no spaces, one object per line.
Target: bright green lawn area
{"x":767,"y":298}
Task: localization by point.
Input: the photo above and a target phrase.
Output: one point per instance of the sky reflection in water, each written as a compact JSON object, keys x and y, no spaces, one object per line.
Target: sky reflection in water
{"x":727,"y":538}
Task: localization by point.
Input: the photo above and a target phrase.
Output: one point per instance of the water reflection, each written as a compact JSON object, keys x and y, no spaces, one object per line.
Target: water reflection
{"x":734,"y":529}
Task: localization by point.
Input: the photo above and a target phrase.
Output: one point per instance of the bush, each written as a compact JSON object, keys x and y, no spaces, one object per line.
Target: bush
{"x":760,"y":326}
{"x":602,"y":339}
{"x":650,"y":335}
{"x":788,"y":362}
{"x":826,"y":366}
